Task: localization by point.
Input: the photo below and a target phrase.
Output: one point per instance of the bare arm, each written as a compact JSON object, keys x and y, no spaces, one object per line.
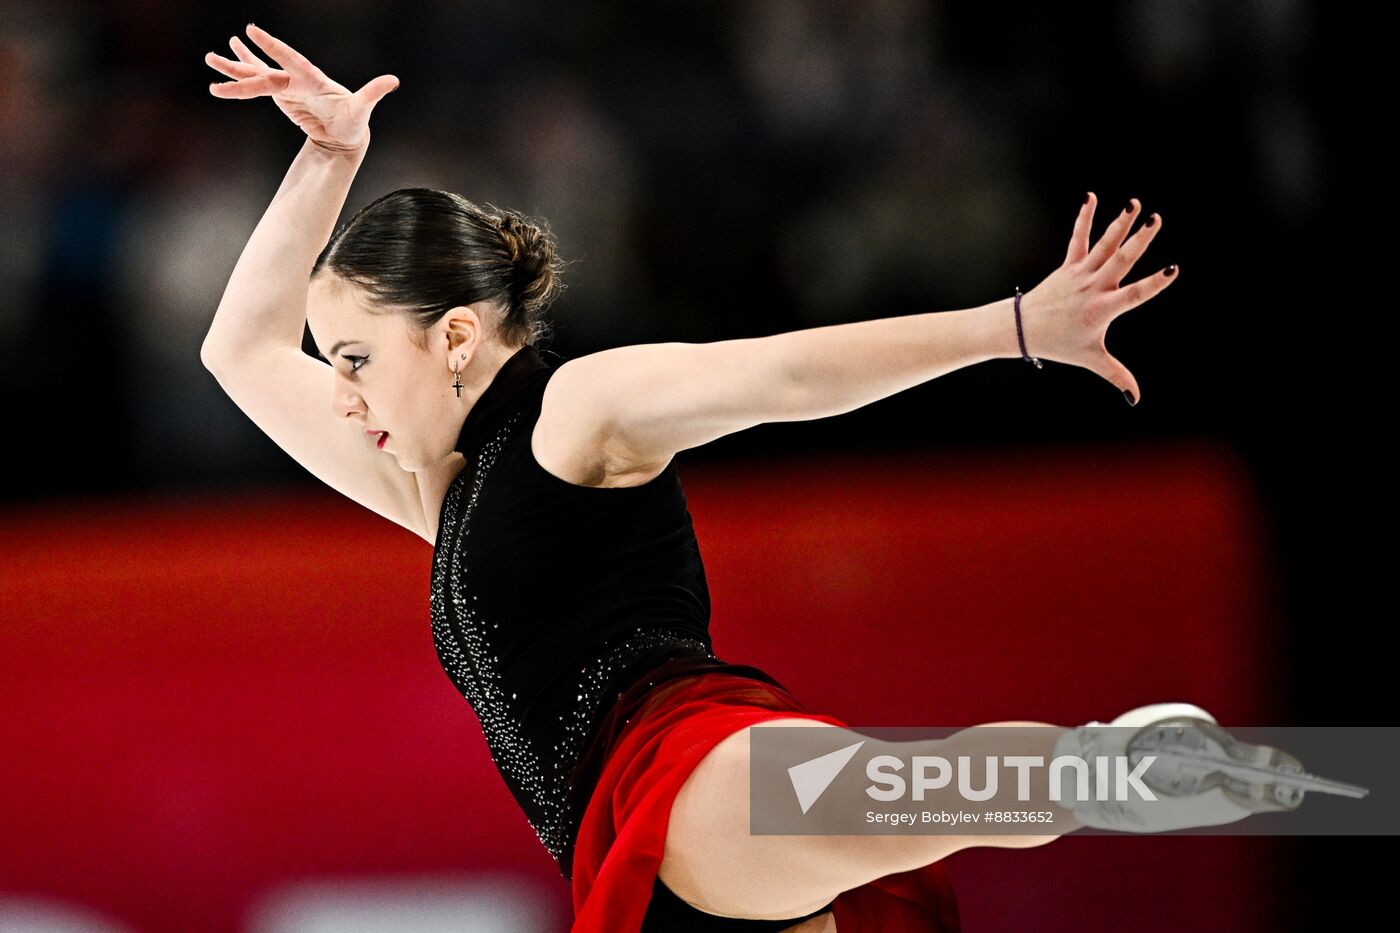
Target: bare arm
{"x":264,"y":304}
{"x":659,"y":399}
{"x":666,"y":397}
{"x":842,"y":367}
{"x":254,"y":343}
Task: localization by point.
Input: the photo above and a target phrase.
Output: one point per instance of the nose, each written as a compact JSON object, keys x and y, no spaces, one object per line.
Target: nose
{"x":345,"y":401}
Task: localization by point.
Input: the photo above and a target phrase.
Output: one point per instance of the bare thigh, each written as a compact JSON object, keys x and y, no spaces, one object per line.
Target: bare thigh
{"x":713,"y":862}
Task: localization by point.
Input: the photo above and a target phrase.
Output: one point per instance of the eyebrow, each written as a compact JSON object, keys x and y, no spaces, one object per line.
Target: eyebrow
{"x":342,"y":343}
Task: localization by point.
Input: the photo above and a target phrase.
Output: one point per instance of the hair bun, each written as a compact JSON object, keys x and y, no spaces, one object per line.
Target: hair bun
{"x":535,"y":259}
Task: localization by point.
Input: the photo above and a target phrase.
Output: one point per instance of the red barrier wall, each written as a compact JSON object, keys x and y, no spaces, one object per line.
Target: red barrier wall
{"x":207,"y":697}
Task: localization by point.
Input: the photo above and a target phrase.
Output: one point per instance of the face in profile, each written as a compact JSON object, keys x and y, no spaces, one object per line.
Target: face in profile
{"x":384,"y":382}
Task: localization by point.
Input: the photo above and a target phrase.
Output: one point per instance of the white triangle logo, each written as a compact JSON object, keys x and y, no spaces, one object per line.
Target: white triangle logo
{"x":811,"y":778}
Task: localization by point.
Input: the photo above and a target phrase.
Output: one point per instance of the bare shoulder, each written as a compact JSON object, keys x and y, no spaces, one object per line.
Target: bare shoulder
{"x":573,"y":439}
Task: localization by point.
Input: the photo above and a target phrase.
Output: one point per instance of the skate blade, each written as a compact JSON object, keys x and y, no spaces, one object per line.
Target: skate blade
{"x":1194,"y":755}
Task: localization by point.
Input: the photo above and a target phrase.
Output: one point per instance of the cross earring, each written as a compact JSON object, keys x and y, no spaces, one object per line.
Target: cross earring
{"x":457,"y":378}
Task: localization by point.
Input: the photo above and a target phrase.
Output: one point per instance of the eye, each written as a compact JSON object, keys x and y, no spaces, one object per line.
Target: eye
{"x":355,"y":361}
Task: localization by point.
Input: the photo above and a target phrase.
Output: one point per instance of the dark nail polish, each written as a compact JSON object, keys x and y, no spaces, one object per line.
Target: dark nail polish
{"x":1129,"y":208}
{"x":1127,"y":394}
{"x":1170,"y":270}
{"x":1151,"y":219}
{"x":1086,"y":197}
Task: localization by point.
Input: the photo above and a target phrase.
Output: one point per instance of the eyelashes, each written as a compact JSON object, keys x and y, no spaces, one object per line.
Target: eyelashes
{"x":355,"y":361}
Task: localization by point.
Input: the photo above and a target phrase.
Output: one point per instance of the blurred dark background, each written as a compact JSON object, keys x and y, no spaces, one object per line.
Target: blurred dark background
{"x":726,"y":169}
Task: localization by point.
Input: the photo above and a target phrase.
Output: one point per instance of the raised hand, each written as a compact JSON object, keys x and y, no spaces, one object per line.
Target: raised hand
{"x":1066,"y":316}
{"x":332,"y":116}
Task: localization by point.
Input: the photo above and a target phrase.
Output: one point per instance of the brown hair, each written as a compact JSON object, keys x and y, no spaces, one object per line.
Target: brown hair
{"x":422,"y":252}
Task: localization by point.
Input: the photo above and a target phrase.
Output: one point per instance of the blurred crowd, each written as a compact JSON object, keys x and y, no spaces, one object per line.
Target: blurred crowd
{"x":710,"y":170}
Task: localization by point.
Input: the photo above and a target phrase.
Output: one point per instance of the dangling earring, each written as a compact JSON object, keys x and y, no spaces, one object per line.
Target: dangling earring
{"x":457,"y":379}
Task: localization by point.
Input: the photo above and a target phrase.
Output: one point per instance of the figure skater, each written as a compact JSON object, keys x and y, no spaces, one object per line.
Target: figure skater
{"x":568,"y":598}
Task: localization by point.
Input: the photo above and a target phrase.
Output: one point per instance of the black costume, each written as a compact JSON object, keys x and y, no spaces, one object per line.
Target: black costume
{"x":550,"y":600}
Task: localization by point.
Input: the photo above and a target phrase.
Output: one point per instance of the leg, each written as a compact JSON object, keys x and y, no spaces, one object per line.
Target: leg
{"x":713,"y":863}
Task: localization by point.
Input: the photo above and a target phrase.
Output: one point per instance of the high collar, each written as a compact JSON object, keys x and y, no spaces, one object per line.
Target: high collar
{"x":519,"y":371}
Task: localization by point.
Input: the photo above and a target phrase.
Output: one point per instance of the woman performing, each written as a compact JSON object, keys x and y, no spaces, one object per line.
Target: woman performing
{"x":568,"y":598}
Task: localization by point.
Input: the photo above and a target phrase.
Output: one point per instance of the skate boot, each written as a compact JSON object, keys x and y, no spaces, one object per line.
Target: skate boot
{"x":1199,"y":773}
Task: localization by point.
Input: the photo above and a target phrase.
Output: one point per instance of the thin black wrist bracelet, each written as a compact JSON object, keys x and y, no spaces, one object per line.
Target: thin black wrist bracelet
{"x":1020,"y":337}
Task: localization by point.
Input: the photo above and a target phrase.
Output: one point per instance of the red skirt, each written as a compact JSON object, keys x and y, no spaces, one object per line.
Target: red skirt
{"x":648,"y":757}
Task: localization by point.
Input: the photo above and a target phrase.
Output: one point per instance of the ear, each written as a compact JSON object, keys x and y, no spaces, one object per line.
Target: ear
{"x":462,"y":332}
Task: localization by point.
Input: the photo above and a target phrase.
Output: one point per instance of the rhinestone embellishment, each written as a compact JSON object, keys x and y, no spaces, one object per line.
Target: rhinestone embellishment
{"x":464,"y":640}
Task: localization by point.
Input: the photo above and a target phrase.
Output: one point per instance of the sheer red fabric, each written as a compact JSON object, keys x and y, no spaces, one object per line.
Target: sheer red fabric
{"x":649,"y":756}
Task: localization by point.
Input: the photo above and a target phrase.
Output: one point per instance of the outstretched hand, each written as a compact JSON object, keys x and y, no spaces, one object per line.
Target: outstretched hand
{"x":332,"y":116}
{"x":1065,"y":317}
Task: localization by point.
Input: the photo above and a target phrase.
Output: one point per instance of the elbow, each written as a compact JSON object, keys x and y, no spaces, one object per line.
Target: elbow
{"x":208,"y":357}
{"x":219,"y":350}
{"x":216,"y":359}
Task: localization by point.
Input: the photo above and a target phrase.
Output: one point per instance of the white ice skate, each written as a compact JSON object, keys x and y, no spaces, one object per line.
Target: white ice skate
{"x":1201,"y":775}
